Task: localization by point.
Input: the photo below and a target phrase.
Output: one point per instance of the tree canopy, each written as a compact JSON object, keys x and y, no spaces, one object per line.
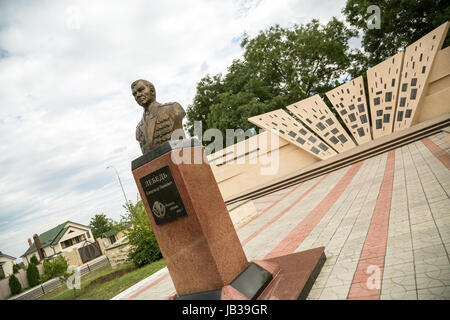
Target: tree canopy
{"x":14,"y":285}
{"x":402,"y":23}
{"x":100,"y":224}
{"x":279,"y":66}
{"x":33,"y":274}
{"x":144,"y":247}
{"x":56,"y":267}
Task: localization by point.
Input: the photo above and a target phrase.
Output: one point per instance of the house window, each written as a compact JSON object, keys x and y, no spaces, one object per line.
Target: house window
{"x":112,"y":239}
{"x":70,"y":242}
{"x":2,"y":273}
{"x":67,"y":243}
{"x":88,"y":234}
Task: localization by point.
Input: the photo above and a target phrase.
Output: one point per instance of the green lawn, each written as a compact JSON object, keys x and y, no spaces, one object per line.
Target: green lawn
{"x":107,"y":290}
{"x":85,"y":278}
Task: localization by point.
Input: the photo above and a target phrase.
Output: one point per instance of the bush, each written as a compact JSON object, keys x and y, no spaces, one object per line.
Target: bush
{"x":54,"y":268}
{"x":145,"y":251}
{"x":34,"y":260}
{"x":14,"y":285}
{"x":16,"y":268}
{"x":33,"y":275}
{"x":144,"y":247}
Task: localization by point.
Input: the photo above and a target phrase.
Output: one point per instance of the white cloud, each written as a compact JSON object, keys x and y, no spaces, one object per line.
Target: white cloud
{"x":66,"y":110}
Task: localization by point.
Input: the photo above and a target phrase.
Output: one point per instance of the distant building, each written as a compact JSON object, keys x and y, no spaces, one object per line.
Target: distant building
{"x":6,"y":265}
{"x":116,"y":246}
{"x":62,"y":238}
{"x":113,"y":237}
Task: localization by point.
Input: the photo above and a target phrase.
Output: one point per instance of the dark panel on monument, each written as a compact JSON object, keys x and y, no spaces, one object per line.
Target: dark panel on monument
{"x":252,"y":281}
{"x":163,"y":196}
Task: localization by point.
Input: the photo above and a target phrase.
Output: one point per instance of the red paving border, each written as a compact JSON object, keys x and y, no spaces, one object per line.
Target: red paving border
{"x":374,"y":249}
{"x":283,"y":212}
{"x":438,"y":152}
{"x":296,"y":236}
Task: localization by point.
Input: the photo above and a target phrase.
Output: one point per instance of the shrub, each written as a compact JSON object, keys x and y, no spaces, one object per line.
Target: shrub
{"x":34,"y":260}
{"x":54,"y":268}
{"x":16,"y":268}
{"x":33,"y":275}
{"x":14,"y":285}
{"x":144,"y":247}
{"x":145,"y":251}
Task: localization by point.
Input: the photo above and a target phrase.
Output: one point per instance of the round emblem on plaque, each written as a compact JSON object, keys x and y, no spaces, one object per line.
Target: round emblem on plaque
{"x":159,"y":209}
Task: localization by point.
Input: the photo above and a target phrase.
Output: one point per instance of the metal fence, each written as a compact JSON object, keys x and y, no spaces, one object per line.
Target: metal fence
{"x":53,"y":284}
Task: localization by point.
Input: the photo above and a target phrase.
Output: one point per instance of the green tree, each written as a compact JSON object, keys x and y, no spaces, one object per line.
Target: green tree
{"x":144,"y":247}
{"x":54,"y":268}
{"x":34,"y":260}
{"x":402,"y":22}
{"x":279,"y":66}
{"x":207,"y":90}
{"x":33,"y":275}
{"x":16,"y":268}
{"x":100,"y":224}
{"x":14,"y":285}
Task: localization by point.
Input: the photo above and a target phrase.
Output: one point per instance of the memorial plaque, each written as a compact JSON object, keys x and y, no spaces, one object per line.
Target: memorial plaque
{"x":163,"y":196}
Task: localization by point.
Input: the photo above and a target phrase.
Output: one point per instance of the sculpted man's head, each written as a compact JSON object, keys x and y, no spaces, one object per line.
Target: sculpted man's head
{"x":143,"y":92}
{"x":158,"y":121}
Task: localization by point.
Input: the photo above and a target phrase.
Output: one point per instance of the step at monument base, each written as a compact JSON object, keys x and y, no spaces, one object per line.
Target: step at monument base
{"x":288,"y":277}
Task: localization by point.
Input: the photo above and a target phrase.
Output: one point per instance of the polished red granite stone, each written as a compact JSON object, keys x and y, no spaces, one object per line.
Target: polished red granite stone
{"x":296,"y":275}
{"x":201,"y":250}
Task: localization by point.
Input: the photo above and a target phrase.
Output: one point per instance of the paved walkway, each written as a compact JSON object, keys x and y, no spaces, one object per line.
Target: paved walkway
{"x":385,"y":224}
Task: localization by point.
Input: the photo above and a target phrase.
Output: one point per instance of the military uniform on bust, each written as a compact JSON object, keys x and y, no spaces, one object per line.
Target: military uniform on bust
{"x":158,"y":123}
{"x":159,"y":120}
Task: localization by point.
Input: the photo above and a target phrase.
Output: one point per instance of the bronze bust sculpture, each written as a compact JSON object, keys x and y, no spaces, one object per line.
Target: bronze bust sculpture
{"x":159,"y":120}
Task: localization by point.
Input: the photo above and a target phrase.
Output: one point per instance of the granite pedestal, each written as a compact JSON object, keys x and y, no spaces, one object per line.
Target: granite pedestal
{"x":197,"y":239}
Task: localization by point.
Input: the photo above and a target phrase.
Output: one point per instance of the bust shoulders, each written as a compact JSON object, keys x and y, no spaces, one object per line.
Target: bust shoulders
{"x":171,"y":109}
{"x":170,"y":105}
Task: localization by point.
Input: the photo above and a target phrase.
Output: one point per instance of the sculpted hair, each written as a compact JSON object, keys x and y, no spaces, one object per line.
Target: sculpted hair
{"x":147,"y":83}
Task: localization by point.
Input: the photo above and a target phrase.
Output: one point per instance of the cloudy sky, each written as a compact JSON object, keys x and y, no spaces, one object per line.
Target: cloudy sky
{"x":66,"y":110}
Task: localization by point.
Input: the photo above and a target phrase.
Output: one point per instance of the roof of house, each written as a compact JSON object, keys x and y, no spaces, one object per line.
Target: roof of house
{"x":6,"y":256}
{"x":109,"y":233}
{"x":50,"y":237}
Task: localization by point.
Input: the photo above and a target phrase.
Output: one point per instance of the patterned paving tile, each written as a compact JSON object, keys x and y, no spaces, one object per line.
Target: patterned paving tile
{"x":430,"y":252}
{"x":398,"y":257}
{"x":335,"y":293}
{"x":315,"y":293}
{"x":436,"y":293}
{"x":399,"y":270}
{"x":433,"y":272}
{"x":398,"y":295}
{"x":399,"y":284}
